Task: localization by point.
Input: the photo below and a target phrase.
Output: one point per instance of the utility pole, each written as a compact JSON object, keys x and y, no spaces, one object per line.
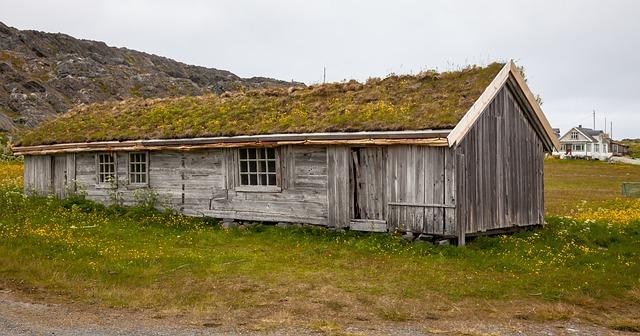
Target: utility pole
{"x":611,"y":131}
{"x":605,"y":125}
{"x":324,"y":75}
{"x":594,"y":120}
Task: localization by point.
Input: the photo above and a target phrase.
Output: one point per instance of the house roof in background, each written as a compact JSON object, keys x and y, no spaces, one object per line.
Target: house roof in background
{"x":429,"y":100}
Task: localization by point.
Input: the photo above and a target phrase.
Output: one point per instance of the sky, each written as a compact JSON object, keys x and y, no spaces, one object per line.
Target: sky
{"x":578,"y":55}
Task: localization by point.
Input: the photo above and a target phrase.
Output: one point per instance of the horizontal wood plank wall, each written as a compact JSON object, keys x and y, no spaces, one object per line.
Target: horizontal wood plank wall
{"x":203,"y":183}
{"x":303,"y":197}
{"x":338,"y":188}
{"x":501,"y":181}
{"x":419,"y":189}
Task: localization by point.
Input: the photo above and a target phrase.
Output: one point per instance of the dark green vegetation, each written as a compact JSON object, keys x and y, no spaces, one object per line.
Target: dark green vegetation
{"x":140,"y":258}
{"x":5,"y":150}
{"x":429,"y":100}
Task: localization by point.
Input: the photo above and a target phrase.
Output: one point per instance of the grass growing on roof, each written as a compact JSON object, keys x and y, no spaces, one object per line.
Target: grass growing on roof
{"x":429,"y":100}
{"x":165,"y":262}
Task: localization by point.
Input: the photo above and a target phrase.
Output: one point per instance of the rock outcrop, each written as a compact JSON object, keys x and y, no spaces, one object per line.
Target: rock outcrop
{"x":44,"y":74}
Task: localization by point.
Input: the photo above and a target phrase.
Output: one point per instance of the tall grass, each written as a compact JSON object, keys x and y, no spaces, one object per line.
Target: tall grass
{"x":139,"y":258}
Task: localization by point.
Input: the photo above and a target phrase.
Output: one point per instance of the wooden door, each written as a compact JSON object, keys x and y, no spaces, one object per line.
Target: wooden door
{"x":367,"y":181}
{"x":59,"y":175}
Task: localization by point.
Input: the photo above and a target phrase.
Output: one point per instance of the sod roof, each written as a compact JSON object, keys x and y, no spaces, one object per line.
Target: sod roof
{"x":429,"y":100}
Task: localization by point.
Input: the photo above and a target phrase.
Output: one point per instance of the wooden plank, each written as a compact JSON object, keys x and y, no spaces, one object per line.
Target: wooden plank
{"x":368,"y":225}
{"x":450,"y":191}
{"x":338,"y":158}
{"x":145,"y":145}
{"x":422,"y":205}
{"x":462,"y":206}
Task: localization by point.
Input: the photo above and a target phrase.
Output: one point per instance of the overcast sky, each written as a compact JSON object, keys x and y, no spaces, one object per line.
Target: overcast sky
{"x":579,"y":55}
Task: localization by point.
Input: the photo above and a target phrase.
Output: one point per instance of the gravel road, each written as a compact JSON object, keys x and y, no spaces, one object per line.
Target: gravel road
{"x":19,"y":316}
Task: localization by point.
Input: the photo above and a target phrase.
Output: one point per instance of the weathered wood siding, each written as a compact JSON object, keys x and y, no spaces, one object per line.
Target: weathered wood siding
{"x":49,"y":174}
{"x":204,"y":183}
{"x":500,"y":169}
{"x":37,"y":174}
{"x":339,"y":200}
{"x":416,"y":190}
{"x":420,"y":188}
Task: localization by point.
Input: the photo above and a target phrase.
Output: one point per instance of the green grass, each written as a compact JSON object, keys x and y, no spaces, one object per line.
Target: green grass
{"x":172,"y":264}
{"x":5,"y":151}
{"x":429,"y":100}
{"x":569,"y":183}
{"x":634,"y":147}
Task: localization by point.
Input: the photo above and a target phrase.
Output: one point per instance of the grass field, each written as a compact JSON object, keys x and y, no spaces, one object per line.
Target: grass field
{"x":584,"y":264}
{"x":572,"y":184}
{"x":634,"y":147}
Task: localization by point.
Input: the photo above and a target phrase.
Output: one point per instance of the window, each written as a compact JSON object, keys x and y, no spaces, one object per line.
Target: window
{"x":106,"y":167}
{"x":588,"y":147}
{"x":258,"y":167}
{"x":138,"y":171}
{"x":574,"y":135}
{"x":604,"y":148}
{"x":596,"y":148}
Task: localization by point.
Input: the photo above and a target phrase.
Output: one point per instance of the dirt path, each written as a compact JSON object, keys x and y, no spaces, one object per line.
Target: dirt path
{"x":19,"y":316}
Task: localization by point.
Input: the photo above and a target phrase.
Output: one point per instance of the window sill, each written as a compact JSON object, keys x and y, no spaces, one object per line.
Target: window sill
{"x":257,"y":189}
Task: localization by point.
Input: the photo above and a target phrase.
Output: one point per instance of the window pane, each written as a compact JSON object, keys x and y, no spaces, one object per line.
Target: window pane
{"x":243,"y":166}
{"x":263,"y":179}
{"x":253,"y":166}
{"x":262,"y":165}
{"x":253,"y":179}
{"x":271,"y":153}
{"x":251,"y":153}
{"x":244,"y":179}
{"x":272,"y":166}
{"x":272,"y":179}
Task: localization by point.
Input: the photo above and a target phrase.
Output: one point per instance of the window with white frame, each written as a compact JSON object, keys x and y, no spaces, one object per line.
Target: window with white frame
{"x":596,"y":148}
{"x":138,"y":168}
{"x":258,"y":166}
{"x":574,"y":135}
{"x":588,"y":147}
{"x":106,"y":167}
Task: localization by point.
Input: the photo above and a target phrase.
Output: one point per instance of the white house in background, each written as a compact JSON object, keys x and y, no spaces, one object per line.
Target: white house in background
{"x":587,"y":143}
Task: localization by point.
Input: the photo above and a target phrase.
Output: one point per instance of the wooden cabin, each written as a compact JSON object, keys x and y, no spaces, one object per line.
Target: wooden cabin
{"x":442,"y":154}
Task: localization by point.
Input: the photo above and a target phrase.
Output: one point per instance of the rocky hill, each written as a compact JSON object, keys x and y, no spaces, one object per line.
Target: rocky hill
{"x":44,"y":74}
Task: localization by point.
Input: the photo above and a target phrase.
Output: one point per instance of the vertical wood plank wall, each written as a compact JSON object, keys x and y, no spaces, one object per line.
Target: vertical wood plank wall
{"x":37,"y":174}
{"x":339,"y":200}
{"x":500,"y":169}
{"x":45,"y":174}
{"x":421,"y":178}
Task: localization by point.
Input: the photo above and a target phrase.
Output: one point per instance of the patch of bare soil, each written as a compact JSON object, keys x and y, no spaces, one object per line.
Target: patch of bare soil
{"x":20,"y":315}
